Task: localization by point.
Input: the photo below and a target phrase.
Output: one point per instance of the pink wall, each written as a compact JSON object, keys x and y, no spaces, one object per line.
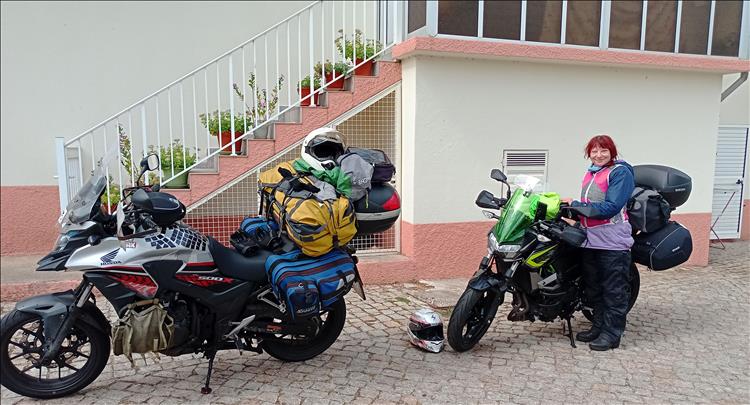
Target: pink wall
{"x":433,"y":251}
{"x":745,"y":230}
{"x":28,"y":219}
{"x":497,"y":49}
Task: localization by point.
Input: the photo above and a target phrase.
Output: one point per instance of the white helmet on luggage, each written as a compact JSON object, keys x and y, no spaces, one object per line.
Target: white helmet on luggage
{"x":322,"y":147}
{"x":426,"y":330}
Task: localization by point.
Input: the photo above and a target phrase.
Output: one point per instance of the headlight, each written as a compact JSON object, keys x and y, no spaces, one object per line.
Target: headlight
{"x":63,"y":240}
{"x":508,"y":251}
{"x":492,"y":244}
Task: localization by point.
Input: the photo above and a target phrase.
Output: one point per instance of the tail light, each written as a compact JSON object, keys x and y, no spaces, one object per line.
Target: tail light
{"x":393,"y":203}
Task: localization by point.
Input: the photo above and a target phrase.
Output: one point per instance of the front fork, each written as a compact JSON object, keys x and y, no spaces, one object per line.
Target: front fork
{"x":484,"y":279}
{"x":51,"y":347}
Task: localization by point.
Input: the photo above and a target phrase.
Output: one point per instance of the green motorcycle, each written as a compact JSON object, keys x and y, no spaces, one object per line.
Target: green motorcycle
{"x":534,"y":255}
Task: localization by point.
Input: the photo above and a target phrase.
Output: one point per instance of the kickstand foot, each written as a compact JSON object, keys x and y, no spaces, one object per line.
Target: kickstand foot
{"x":206,"y":389}
{"x":570,"y":333}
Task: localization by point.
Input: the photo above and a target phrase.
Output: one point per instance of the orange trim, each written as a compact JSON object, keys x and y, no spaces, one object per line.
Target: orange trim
{"x":516,"y":50}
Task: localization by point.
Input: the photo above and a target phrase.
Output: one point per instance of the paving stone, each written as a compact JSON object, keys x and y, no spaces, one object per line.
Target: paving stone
{"x":686,"y":342}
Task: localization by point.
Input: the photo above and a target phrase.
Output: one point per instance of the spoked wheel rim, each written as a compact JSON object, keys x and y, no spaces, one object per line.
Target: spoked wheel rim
{"x":24,"y":353}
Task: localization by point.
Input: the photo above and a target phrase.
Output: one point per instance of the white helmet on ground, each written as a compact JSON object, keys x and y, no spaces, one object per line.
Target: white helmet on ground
{"x":426,"y":330}
{"x":322,"y":147}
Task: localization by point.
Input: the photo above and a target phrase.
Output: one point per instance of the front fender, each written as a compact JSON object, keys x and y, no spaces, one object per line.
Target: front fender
{"x":486,"y":280}
{"x":53,"y":308}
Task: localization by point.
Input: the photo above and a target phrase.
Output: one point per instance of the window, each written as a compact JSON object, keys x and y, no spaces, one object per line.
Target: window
{"x":458,"y":18}
{"x":727,"y":22}
{"x":502,"y":19}
{"x":417,"y":14}
{"x":661,"y":20}
{"x":543,"y":21}
{"x":625,"y":24}
{"x":528,"y":162}
{"x":582,"y":23}
{"x":694,"y":27}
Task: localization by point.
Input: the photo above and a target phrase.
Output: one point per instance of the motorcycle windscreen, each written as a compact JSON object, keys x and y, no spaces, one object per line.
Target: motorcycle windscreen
{"x":80,"y":207}
{"x":515,"y":218}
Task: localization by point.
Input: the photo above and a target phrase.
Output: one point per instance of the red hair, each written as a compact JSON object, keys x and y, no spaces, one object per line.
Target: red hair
{"x":604,"y":142}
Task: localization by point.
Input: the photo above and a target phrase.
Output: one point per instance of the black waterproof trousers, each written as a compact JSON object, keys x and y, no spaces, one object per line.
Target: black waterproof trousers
{"x":606,"y":277}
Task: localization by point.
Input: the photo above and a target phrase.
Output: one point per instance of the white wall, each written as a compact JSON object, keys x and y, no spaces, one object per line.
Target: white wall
{"x":467,"y":112}
{"x":735,"y":109}
{"x":68,"y":65}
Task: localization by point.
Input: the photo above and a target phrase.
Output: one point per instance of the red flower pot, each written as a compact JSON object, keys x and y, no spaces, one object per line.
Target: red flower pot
{"x":338,"y":84}
{"x":226,"y":139}
{"x":304,"y":92}
{"x":366,"y":69}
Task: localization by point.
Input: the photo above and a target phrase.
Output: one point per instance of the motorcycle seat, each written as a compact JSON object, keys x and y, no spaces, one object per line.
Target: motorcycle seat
{"x":233,"y":264}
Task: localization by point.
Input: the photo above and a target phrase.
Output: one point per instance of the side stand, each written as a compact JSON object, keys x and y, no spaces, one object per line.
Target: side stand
{"x":207,"y":390}
{"x":570,"y":333}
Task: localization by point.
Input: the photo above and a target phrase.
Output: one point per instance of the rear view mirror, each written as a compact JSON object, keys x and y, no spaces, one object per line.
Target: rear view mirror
{"x":150,"y":162}
{"x":485,"y":199}
{"x":498,"y":175}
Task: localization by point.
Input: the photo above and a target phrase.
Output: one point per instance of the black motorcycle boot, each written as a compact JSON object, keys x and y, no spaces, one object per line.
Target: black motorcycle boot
{"x":604,"y":342}
{"x":588,"y":335}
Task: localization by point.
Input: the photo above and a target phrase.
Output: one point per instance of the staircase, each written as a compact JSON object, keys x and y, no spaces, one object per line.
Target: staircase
{"x":334,"y":103}
{"x":255,"y":90}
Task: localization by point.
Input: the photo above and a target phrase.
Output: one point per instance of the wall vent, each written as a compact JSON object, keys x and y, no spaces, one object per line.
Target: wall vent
{"x":528,"y":162}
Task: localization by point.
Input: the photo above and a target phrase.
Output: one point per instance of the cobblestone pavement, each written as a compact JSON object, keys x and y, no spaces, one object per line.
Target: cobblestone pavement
{"x":687,"y":341}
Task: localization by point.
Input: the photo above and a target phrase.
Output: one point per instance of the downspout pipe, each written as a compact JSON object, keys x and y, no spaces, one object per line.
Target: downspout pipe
{"x":734,"y":86}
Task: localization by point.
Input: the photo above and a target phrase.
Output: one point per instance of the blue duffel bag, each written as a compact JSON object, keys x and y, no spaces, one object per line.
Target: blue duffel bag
{"x":309,"y":285}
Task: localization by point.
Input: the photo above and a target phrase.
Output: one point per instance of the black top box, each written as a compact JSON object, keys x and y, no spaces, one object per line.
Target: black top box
{"x":674,"y":185}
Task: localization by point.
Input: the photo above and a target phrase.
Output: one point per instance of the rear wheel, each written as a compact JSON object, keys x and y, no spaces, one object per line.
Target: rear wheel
{"x":82,"y":357}
{"x":300,"y":347}
{"x":471,"y":318}
{"x":635,"y":286}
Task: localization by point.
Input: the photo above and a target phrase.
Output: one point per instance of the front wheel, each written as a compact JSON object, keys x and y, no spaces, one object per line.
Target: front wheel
{"x":635,"y":287}
{"x":471,"y":318}
{"x":82,"y":357}
{"x":301,"y":348}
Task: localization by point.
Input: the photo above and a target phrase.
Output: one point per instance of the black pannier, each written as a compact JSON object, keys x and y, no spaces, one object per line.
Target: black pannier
{"x":672,"y":184}
{"x":648,"y":211}
{"x":668,"y":247}
{"x":378,"y":210}
{"x":384,"y":170}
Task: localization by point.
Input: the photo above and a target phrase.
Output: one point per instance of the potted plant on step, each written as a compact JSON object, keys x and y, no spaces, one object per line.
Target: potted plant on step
{"x":357,"y":49}
{"x":174,"y":158}
{"x":304,"y":90}
{"x":263,"y":106}
{"x":219,"y":124}
{"x":338,"y":69}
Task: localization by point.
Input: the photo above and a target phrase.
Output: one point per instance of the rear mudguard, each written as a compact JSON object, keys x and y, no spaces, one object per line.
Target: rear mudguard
{"x":53,"y":308}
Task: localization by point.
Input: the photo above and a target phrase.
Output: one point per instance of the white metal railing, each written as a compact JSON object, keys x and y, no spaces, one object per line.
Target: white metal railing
{"x":234,"y":96}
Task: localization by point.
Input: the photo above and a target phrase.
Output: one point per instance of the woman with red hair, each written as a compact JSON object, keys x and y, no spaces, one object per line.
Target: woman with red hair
{"x":607,"y":187}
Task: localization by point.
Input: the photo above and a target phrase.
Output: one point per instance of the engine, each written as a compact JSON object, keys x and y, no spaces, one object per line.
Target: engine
{"x":183,"y":314}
